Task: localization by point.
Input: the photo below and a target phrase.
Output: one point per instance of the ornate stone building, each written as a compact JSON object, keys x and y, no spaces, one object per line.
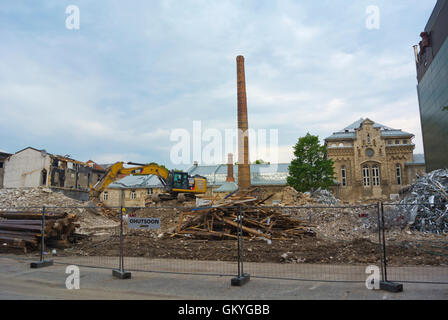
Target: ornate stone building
{"x":372,"y":161}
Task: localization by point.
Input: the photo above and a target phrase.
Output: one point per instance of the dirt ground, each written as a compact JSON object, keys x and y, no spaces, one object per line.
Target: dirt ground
{"x":306,"y":250}
{"x":342,"y":236}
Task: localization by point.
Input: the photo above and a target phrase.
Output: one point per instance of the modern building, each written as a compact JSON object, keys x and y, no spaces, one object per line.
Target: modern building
{"x":372,"y":161}
{"x":3,"y":156}
{"x":32,"y":167}
{"x":431,"y":56}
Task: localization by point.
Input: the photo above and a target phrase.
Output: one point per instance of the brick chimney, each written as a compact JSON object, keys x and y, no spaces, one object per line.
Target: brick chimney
{"x":243,"y":134}
{"x":230,"y":177}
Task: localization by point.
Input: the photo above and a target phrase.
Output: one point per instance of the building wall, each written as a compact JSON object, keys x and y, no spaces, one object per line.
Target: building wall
{"x":3,"y":156}
{"x":33,"y":168}
{"x":1,"y":174}
{"x":24,"y":169}
{"x":114,"y":197}
{"x":414,"y":171}
{"x":370,"y":149}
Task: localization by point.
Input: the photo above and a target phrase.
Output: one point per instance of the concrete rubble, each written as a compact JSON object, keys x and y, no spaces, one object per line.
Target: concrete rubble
{"x":425,"y":204}
{"x":89,"y":215}
{"x":324,"y":197}
{"x":291,"y":197}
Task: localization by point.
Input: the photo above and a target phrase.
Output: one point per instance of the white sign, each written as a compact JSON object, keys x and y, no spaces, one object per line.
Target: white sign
{"x":144,"y":223}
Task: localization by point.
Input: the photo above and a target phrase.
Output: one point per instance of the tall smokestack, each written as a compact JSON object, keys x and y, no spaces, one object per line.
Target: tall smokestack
{"x":230,"y":177}
{"x":243,"y":134}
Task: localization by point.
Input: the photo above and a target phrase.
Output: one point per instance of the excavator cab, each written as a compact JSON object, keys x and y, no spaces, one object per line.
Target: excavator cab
{"x":180,"y":180}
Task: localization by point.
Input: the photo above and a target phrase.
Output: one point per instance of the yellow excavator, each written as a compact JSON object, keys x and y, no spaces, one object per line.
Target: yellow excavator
{"x":176,"y":184}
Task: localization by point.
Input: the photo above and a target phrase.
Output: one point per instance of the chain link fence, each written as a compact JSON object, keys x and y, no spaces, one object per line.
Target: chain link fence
{"x":309,"y":243}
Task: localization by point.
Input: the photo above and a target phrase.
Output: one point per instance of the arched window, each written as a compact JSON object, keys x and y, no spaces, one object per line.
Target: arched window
{"x":343,"y":176}
{"x":375,"y":175}
{"x":398,"y":173}
{"x":368,"y":138}
{"x":366,"y":176}
{"x":105,"y":196}
{"x":133,"y":195}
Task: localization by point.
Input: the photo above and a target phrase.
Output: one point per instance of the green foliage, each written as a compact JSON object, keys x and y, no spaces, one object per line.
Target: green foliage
{"x":160,"y":165}
{"x":310,"y":169}
{"x":261,"y":161}
{"x":445,"y":108}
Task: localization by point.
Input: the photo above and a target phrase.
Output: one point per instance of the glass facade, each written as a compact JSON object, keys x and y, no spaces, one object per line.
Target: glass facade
{"x":433,"y":98}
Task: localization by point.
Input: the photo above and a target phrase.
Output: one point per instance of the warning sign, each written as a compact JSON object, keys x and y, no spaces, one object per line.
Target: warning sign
{"x":144,"y":223}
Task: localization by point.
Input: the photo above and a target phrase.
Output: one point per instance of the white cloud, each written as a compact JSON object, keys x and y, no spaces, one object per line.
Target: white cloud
{"x":131,"y":75}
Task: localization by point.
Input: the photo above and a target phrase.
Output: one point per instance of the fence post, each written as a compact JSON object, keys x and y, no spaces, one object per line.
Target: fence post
{"x":120,"y":273}
{"x":42,"y":262}
{"x":384,"y":283}
{"x":242,"y":277}
{"x":378,"y":208}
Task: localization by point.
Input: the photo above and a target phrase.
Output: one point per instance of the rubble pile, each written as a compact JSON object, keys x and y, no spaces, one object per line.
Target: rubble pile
{"x":220,"y":221}
{"x":291,"y":197}
{"x":425,"y":204}
{"x":324,"y":197}
{"x":89,"y":215}
{"x":35,"y":198}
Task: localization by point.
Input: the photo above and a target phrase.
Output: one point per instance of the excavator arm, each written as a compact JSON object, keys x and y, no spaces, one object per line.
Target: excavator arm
{"x":118,"y":169}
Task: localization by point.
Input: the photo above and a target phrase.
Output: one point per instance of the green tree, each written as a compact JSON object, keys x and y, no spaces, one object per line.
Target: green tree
{"x":310,"y":169}
{"x":261,"y":161}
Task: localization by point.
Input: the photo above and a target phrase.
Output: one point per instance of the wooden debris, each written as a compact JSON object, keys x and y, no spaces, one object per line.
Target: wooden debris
{"x":220,"y":220}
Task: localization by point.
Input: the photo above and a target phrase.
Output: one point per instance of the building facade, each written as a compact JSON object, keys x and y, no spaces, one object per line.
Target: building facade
{"x":431,"y":58}
{"x":131,"y":191}
{"x":32,"y":167}
{"x":3,"y":156}
{"x":372,"y":161}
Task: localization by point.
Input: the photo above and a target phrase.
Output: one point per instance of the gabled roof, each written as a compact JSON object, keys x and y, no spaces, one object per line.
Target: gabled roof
{"x":349,"y":132}
{"x":261,"y":174}
{"x":137,"y":182}
{"x":43,"y":150}
{"x":4,"y":154}
{"x":357,"y":124}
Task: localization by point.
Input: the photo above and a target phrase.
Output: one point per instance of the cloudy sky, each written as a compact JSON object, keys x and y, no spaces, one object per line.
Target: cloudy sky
{"x":117,"y":87}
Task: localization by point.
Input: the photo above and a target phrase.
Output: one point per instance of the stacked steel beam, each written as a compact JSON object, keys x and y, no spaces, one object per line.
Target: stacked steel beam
{"x":24,"y":229}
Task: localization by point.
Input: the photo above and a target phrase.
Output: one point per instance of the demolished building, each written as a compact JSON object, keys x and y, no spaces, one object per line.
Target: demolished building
{"x":31,"y":167}
{"x":3,"y":156}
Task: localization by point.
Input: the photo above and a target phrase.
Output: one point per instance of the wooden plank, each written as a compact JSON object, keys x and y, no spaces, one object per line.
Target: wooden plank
{"x":249,"y":230}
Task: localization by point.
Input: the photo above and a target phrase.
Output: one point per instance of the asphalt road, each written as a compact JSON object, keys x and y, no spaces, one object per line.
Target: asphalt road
{"x":18,"y":281}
